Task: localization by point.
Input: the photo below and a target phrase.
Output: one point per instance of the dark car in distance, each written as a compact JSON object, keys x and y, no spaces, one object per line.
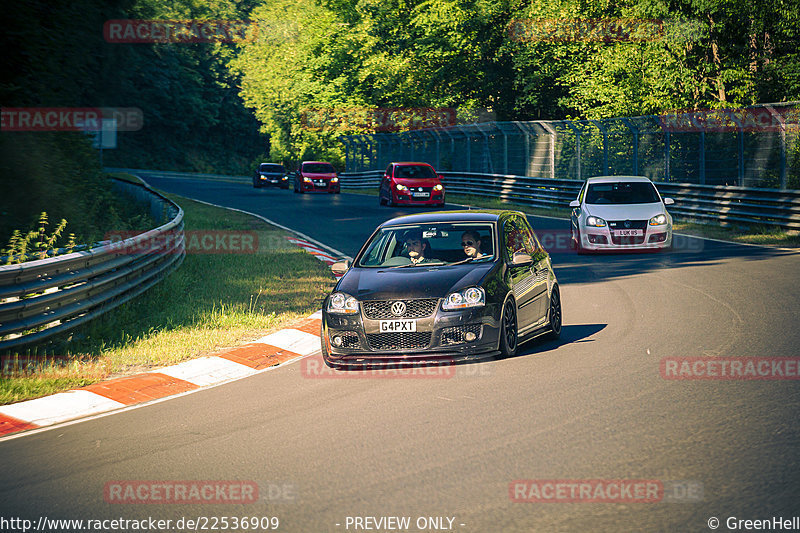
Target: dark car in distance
{"x":441,"y":287}
{"x":411,"y":184}
{"x":270,"y":175}
{"x":316,"y":176}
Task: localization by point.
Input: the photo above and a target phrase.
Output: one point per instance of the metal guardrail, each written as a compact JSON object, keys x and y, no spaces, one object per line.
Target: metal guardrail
{"x":704,"y":203}
{"x":182,"y":175}
{"x":43,"y":298}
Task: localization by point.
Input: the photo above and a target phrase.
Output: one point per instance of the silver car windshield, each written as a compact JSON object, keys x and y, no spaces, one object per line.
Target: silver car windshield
{"x":622,"y":192}
{"x":430,"y":245}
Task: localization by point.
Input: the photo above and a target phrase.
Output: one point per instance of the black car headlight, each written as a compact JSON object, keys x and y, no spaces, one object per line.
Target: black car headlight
{"x":342,"y":303}
{"x":472,"y":297}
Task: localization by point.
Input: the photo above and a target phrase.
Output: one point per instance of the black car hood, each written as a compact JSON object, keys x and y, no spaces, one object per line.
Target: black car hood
{"x":411,"y":282}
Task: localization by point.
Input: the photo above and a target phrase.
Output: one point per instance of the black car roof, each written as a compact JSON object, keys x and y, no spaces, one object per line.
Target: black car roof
{"x":473,"y":215}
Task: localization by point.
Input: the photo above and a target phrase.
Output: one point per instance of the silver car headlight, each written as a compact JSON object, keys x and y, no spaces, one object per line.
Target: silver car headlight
{"x":472,"y":297}
{"x":342,"y":303}
{"x":658,"y":220}
{"x":595,"y":222}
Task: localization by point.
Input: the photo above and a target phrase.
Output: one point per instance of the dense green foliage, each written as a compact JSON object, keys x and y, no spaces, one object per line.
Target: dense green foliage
{"x":465,"y":54}
{"x":55,"y":55}
{"x":204,"y":103}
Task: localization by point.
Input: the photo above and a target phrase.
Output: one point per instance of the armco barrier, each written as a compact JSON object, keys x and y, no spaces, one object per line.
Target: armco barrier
{"x":182,"y":175}
{"x":705,"y":203}
{"x":46,"y":297}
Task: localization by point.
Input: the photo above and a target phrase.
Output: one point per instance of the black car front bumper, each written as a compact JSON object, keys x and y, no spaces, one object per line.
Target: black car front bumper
{"x":439,"y":338}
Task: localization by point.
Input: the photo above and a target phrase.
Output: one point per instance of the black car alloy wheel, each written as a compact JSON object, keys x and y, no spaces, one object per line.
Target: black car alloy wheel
{"x":555,"y":314}
{"x":508,"y":330}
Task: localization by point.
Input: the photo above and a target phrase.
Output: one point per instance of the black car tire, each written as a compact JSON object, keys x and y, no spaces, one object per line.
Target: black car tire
{"x":509,"y":334}
{"x":554,"y":314}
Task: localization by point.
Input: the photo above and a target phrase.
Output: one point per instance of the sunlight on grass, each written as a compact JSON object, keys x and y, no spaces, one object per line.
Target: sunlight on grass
{"x":213,"y":301}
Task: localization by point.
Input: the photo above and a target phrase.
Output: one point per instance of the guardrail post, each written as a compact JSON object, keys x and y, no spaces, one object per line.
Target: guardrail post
{"x":666,"y":155}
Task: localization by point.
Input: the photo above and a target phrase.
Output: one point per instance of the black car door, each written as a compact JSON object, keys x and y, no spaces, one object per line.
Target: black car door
{"x":519,"y":250}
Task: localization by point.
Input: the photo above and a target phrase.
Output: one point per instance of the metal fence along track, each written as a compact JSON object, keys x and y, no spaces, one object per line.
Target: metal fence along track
{"x":46,"y":297}
{"x":704,"y":203}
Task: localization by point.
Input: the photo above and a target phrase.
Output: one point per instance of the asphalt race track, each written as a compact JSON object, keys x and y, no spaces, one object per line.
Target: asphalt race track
{"x":592,"y":406}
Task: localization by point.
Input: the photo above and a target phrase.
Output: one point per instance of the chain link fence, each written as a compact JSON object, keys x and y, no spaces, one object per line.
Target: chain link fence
{"x":756,"y":146}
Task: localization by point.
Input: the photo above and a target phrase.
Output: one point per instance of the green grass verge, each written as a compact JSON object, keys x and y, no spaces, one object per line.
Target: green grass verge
{"x":212,"y":301}
{"x":763,"y":235}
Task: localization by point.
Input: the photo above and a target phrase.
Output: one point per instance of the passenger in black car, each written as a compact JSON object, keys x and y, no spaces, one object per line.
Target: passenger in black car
{"x":471,"y":242}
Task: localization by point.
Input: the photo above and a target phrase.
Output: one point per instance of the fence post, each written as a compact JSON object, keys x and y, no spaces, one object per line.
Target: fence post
{"x":702,"y":157}
{"x":599,"y":125}
{"x":552,"y":133}
{"x":741,"y":155}
{"x":635,"y":132}
{"x":577,"y":147}
{"x":777,"y":116}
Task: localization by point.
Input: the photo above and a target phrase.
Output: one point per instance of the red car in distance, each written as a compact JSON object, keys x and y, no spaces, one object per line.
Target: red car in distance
{"x":316,"y":176}
{"x":411,"y":184}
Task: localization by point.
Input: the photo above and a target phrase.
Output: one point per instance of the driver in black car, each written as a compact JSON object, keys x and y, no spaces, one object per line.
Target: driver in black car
{"x":416,"y":247}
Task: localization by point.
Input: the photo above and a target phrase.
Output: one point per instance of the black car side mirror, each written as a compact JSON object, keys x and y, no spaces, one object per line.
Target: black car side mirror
{"x":521,"y":258}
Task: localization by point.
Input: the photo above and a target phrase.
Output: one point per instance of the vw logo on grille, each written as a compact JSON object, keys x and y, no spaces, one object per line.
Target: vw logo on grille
{"x":398,"y":309}
{"x":627,"y":223}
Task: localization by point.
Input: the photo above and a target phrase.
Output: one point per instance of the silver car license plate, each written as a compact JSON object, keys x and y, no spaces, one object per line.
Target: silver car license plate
{"x":628,"y":232}
{"x":398,"y":326}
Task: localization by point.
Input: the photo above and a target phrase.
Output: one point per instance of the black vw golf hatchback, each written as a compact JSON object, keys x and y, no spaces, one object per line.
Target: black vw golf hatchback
{"x":441,"y":287}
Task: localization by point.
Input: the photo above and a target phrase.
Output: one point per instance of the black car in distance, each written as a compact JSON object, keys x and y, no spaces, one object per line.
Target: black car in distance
{"x":441,"y":287}
{"x":271,"y":175}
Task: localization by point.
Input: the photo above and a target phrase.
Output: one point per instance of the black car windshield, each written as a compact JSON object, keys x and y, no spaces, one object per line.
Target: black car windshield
{"x":414,"y":172}
{"x":318,"y":168}
{"x":271,"y":168}
{"x":622,"y":192}
{"x":431,"y":244}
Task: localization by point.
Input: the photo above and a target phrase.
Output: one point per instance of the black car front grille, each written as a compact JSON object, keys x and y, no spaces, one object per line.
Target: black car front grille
{"x":455,"y":335}
{"x":382,"y":309}
{"x":399,"y":341}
